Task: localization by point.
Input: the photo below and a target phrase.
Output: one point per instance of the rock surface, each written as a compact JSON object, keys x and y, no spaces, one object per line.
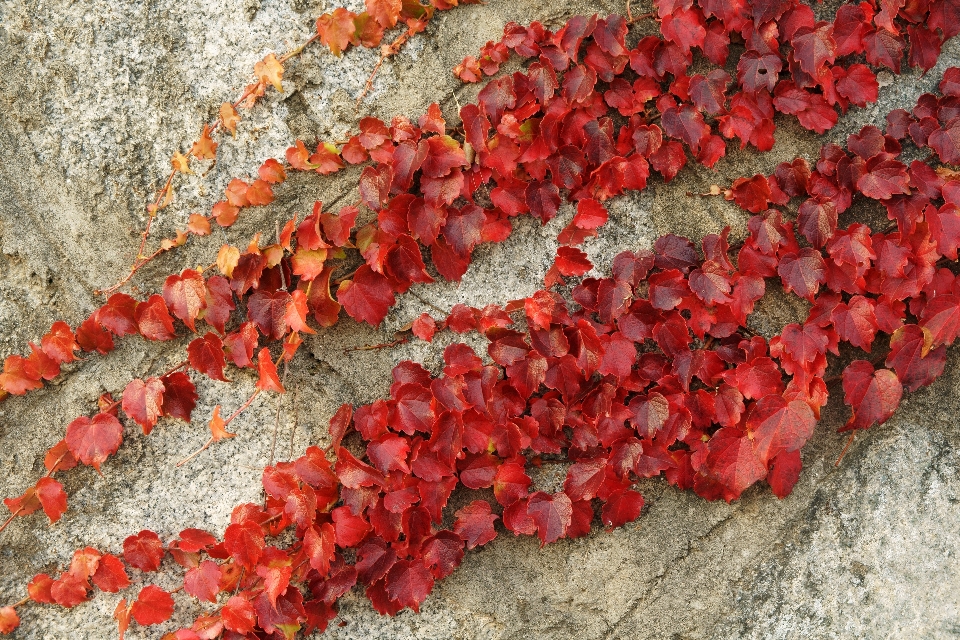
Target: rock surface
{"x":94,"y":98}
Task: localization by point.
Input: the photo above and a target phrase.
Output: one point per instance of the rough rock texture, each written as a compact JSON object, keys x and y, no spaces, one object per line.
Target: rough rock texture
{"x":94,"y":98}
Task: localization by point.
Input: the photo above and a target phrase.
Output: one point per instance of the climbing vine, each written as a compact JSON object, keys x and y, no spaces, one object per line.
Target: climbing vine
{"x":650,"y":371}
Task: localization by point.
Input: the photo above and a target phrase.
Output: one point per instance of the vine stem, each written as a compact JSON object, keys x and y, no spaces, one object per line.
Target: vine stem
{"x":844,"y":452}
{"x":176,"y":368}
{"x":385,"y":52}
{"x":167,"y":189}
{"x":226,"y":422}
{"x":10,"y":519}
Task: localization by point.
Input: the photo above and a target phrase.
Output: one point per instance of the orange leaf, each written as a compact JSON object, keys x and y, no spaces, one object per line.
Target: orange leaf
{"x":122,"y":615}
{"x":270,"y":70}
{"x":337,"y":30}
{"x":269,"y":380}
{"x":205,"y":147}
{"x":227,"y":259}
{"x":218,"y":428}
{"x":386,"y":12}
{"x":181,"y":163}
{"x":272,"y":171}
{"x":52,"y":497}
{"x":229,"y":117}
{"x":225,"y":213}
{"x":299,"y":157}
{"x":198,"y":225}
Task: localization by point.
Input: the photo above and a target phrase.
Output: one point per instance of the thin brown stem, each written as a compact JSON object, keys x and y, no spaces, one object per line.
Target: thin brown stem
{"x":242,"y":408}
{"x":206,"y":445}
{"x":276,"y":420}
{"x":844,"y":452}
{"x":141,"y":259}
{"x":176,"y":368}
{"x":382,"y":345}
{"x":10,"y":519}
{"x":385,"y":53}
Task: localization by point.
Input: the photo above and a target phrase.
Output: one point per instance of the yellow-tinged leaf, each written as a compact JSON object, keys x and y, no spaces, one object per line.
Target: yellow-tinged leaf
{"x":274,"y":254}
{"x":169,"y":243}
{"x":181,"y":163}
{"x":270,"y":70}
{"x":308,"y":264}
{"x":229,"y":117}
{"x":227,"y":259}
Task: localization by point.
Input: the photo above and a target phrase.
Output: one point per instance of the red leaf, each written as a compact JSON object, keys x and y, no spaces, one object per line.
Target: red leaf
{"x":118,"y":315}
{"x":9,"y":620}
{"x":811,"y":109}
{"x":203,"y":581}
{"x":368,"y":297}
{"x":856,"y":322}
{"x":39,"y":588}
{"x":444,"y":154}
{"x":874,"y":395}
{"x":339,"y":423}
{"x":206,"y":356}
{"x":152,"y":606}
{"x":424,"y":327}
{"x":733,"y":460}
{"x":111,"y":576}
{"x":552,"y":515}
{"x":474,"y":523}
{"x":859,"y":86}
{"x":179,"y":396}
{"x":784,"y":472}
{"x":883,"y":179}
{"x":409,"y":583}
{"x":911,"y":357}
{"x":268,"y":310}
{"x":19,"y":376}
{"x":752,"y":194}
{"x":219,"y":303}
{"x":70,"y":590}
{"x":52,"y":497}
{"x":777,"y":425}
{"x":319,"y":543}
{"x":244,"y":542}
{"x":267,"y":370}
{"x":238,"y":615}
{"x":93,"y":440}
{"x":59,"y":343}
{"x":817,"y":221}
{"x":510,"y":483}
{"x":814,"y":48}
{"x":59,"y":458}
{"x":142,"y":402}
{"x":353,"y":473}
{"x":185,"y":295}
{"x":193,"y":540}
{"x":621,"y":508}
{"x":153,"y":320}
{"x":941,"y":317}
{"x":442,"y":553}
{"x":143,"y":551}
{"x":803,"y":272}
{"x":571,"y":261}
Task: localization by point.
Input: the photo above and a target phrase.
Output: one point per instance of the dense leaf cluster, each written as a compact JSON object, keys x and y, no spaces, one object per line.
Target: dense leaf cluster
{"x":651,"y":371}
